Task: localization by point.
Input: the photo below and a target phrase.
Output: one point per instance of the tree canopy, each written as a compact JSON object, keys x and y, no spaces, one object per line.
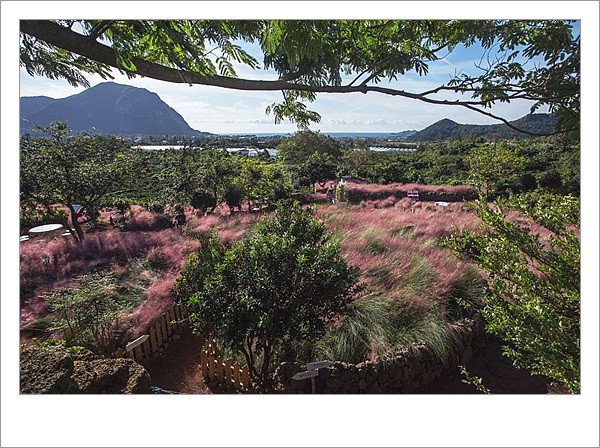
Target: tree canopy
{"x":318,"y":56}
{"x":533,"y":298}
{"x":278,"y":287}
{"x":82,"y":169}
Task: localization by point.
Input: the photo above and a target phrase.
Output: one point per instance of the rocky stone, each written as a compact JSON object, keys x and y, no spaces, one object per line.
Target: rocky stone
{"x":411,"y":368}
{"x":121,"y":375}
{"x":375,"y":388}
{"x":56,"y":370}
{"x":47,"y":370}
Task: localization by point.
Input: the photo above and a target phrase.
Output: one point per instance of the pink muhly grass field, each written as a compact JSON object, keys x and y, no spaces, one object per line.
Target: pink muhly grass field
{"x":49,"y":264}
{"x":394,"y":245}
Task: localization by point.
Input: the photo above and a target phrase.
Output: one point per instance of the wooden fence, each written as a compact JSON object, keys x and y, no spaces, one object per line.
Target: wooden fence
{"x":160,"y":332}
{"x":227,"y":373}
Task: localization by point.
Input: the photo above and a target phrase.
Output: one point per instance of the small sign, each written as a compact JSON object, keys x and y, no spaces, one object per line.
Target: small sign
{"x":318,"y":365}
{"x":134,"y":344}
{"x":306,"y":374}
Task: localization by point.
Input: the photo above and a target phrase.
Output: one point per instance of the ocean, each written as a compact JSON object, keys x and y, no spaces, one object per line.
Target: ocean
{"x":331,"y":134}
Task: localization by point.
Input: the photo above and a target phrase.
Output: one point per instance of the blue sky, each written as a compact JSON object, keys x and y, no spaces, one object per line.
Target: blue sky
{"x":220,"y":110}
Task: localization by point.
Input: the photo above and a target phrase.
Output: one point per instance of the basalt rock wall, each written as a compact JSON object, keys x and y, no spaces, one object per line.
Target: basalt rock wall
{"x":408,"y":371}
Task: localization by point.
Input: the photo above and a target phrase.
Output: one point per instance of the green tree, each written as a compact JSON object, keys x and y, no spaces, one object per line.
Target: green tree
{"x":186,"y":172}
{"x":319,"y":56}
{"x":493,"y":165}
{"x":295,"y":151}
{"x":277,"y":287}
{"x":201,"y":200}
{"x":319,"y":168}
{"x":533,"y":297}
{"x":79,"y":170}
{"x":87,"y":313}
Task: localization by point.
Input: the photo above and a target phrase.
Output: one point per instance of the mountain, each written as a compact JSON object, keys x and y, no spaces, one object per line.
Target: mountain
{"x":404,"y":134}
{"x":447,"y":129}
{"x":109,"y":107}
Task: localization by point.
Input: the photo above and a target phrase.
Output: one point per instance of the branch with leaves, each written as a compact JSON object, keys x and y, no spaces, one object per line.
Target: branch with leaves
{"x":312,"y":57}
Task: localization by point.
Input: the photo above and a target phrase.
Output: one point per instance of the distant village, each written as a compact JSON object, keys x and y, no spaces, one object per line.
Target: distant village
{"x":251,"y":145}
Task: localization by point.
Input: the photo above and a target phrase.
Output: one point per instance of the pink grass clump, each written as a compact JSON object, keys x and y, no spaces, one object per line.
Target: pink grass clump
{"x":148,"y":221}
{"x":157,"y":300}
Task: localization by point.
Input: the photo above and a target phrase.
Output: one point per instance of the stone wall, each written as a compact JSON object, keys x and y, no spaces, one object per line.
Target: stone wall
{"x":407,"y":372}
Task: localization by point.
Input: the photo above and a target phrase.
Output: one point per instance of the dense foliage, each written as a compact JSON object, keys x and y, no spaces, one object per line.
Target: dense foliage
{"x":321,"y":56}
{"x":273,"y":289}
{"x":533,"y":298}
{"x":516,"y":165}
{"x":310,"y":157}
{"x":73,"y":170}
{"x":87,"y":312}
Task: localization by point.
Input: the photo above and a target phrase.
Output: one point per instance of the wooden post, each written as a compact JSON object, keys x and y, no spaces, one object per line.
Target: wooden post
{"x":163,"y":326}
{"x":236,"y":376}
{"x":159,"y":338}
{"x":211,"y":366}
{"x":173,"y":319}
{"x":178,"y":314}
{"x":119,"y":353}
{"x":138,"y":353}
{"x":153,"y":339}
{"x":147,"y":351}
{"x":245,"y":379}
{"x":228,"y":373}
{"x":168,"y":319}
{"x":203,"y":361}
{"x":220,"y":369}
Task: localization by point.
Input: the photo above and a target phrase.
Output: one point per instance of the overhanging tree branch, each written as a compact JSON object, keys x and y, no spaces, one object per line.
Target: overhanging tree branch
{"x":64,"y":38}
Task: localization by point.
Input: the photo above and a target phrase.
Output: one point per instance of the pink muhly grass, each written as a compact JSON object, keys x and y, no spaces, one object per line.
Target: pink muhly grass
{"x":170,"y":250}
{"x":205,"y":223}
{"x":148,"y":221}
{"x":158,"y":300}
{"x":366,"y":191}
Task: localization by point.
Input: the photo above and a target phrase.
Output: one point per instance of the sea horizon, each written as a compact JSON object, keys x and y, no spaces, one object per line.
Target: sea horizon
{"x":331,"y":134}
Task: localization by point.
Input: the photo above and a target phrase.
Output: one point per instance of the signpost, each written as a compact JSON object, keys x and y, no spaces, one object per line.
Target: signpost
{"x":312,"y":371}
{"x":135,"y":343}
{"x":305,"y":374}
{"x":318,"y":365}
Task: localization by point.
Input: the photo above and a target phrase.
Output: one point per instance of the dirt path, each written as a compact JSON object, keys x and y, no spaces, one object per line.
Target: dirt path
{"x":178,"y":369}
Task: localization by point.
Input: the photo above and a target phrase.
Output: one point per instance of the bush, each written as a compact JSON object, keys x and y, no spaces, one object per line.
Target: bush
{"x":233,"y":197}
{"x":87,"y":312}
{"x":156,"y":207}
{"x":269,"y":290}
{"x":533,"y":297}
{"x":202,"y":201}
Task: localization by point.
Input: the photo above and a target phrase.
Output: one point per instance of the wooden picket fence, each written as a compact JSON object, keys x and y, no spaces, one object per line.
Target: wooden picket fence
{"x":160,"y":332}
{"x":228,"y":374}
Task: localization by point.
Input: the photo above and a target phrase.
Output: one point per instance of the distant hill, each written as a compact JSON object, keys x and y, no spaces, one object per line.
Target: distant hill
{"x":109,"y":107}
{"x":404,"y":134}
{"x":447,"y":129}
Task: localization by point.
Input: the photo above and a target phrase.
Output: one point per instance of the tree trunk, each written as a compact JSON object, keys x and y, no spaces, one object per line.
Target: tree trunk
{"x":75,"y":223}
{"x":264,"y":371}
